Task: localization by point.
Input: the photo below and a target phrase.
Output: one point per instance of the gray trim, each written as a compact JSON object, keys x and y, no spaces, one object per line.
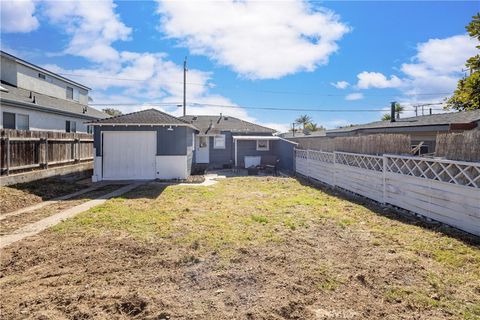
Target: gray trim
{"x":50,"y":73}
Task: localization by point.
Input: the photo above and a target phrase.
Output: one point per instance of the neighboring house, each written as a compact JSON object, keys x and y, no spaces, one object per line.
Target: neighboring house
{"x":147,"y":144}
{"x":420,"y":129}
{"x":225,"y":141}
{"x":33,"y":98}
{"x":303,"y":134}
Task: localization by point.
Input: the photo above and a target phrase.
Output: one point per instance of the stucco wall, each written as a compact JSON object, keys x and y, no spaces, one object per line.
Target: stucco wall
{"x":8,"y":71}
{"x":169,"y":143}
{"x":44,"y":121}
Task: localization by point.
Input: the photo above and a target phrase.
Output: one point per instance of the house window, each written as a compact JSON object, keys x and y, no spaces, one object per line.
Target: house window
{"x":263,"y":145}
{"x":219,"y":141}
{"x":70,"y":126}
{"x":202,"y":141}
{"x":23,"y":122}
{"x":42,"y":76}
{"x":69,"y":93}
{"x":90,"y":129}
{"x":76,"y":95}
{"x":8,"y":120}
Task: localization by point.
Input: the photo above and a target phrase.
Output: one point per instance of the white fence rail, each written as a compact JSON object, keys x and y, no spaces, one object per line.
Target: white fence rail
{"x":443,"y":190}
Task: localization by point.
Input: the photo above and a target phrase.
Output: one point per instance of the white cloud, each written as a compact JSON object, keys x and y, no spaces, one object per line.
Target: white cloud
{"x":92,"y":25}
{"x":340,"y":84}
{"x":368,"y":80}
{"x":18,"y":16}
{"x":354,"y":96}
{"x":433,"y":72}
{"x":257,"y":39}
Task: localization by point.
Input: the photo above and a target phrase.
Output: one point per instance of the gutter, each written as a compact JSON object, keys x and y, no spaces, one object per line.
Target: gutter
{"x":36,"y":107}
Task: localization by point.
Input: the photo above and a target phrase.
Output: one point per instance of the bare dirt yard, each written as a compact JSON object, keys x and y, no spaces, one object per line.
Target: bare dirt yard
{"x":26,"y":194}
{"x":244,"y":248}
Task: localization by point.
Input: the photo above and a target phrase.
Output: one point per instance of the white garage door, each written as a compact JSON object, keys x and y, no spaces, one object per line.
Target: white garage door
{"x":129,"y":155}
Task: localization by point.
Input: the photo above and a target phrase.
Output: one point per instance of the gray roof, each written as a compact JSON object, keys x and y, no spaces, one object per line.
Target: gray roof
{"x":145,"y":117}
{"x":25,"y":98}
{"x":217,"y":124}
{"x":428,"y":120}
{"x":320,"y":133}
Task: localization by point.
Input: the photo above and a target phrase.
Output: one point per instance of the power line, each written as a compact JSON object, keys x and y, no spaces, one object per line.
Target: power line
{"x":260,"y":90}
{"x":313,"y":109}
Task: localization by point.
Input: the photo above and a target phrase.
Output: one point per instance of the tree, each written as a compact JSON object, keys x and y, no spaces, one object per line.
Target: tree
{"x":314,"y":127}
{"x":386,"y":117}
{"x":112,"y":112}
{"x":398,"y":110}
{"x":467,"y":94}
{"x":304,"y":120}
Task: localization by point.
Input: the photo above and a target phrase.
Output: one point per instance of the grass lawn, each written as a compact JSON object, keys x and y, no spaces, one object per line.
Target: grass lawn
{"x":244,"y":248}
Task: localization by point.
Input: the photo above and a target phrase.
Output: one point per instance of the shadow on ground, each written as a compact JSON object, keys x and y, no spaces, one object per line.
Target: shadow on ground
{"x":393,"y":213}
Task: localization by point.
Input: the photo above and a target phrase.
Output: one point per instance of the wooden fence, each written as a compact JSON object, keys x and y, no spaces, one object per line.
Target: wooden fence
{"x":27,"y":150}
{"x":443,"y":190}
{"x":459,"y":146}
{"x":375,"y":144}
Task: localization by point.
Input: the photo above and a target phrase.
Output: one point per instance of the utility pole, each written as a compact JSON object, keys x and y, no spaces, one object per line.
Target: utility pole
{"x":185,"y":87}
{"x":293,"y":128}
{"x":416,"y":111}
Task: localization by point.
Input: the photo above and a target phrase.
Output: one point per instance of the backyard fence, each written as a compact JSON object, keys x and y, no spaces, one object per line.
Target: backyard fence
{"x":370,"y":144}
{"x":444,"y":190}
{"x":27,"y":150}
{"x":459,"y":146}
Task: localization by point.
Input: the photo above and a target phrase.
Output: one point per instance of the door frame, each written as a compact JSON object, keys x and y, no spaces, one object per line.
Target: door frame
{"x":197,"y":149}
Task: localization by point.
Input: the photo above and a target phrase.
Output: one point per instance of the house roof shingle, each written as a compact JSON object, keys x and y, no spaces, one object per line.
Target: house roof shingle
{"x":217,"y":124}
{"x":144,"y":117}
{"x":427,"y":120}
{"x":22,"y":96}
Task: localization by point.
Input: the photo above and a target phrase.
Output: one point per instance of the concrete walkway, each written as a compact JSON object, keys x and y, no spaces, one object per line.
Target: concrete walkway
{"x":39,"y":226}
{"x":49,"y":202}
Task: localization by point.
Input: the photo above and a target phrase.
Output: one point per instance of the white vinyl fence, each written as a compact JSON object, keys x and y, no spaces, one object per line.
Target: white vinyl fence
{"x":443,"y":190}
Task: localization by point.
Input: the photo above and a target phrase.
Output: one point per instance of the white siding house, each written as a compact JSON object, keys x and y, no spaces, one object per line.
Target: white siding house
{"x":33,"y":98}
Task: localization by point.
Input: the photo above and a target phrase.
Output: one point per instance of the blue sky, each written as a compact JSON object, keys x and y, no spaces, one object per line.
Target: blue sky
{"x":335,"y":55}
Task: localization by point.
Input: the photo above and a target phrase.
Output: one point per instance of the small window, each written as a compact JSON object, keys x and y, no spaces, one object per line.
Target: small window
{"x":90,"y":129}
{"x":70,"y":126}
{"x":263,"y":145}
{"x":219,"y":141}
{"x":42,"y":76}
{"x":8,"y":120}
{"x":69,"y":93}
{"x":76,"y":94}
{"x":202,"y":142}
{"x":23,"y":122}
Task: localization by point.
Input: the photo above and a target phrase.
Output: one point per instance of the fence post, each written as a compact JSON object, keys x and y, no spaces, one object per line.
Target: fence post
{"x":384,"y":173}
{"x":46,"y":152}
{"x":334,"y":168}
{"x":7,"y":142}
{"x":308,"y":164}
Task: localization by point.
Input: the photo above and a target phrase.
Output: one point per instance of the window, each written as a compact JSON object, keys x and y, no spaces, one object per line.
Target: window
{"x":69,"y":93}
{"x":75,"y":94}
{"x":219,"y":141}
{"x":70,"y":126}
{"x":202,"y":141}
{"x":42,"y":76}
{"x":9,"y":120}
{"x":90,"y":129}
{"x":23,"y":122}
{"x":263,"y":145}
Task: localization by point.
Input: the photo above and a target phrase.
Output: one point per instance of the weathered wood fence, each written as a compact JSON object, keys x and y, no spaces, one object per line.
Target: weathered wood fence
{"x":27,"y":150}
{"x":444,"y":190}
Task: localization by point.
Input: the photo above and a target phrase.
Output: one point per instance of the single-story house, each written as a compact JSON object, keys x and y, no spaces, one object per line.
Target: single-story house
{"x":225,"y":141}
{"x":420,"y":129}
{"x":143,"y":145}
{"x":33,"y":98}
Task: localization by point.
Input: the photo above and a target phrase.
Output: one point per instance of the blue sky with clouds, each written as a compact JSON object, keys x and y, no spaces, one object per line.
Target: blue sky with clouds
{"x":333,"y":55}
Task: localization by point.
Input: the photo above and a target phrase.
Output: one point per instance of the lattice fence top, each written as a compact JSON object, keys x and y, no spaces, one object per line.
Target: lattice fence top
{"x":362,"y":161}
{"x":455,"y":172}
{"x":303,"y":154}
{"x":321,"y":156}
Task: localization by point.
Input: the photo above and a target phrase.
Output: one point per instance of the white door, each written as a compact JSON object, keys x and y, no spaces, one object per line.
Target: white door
{"x":202,"y":152}
{"x":129,"y":155}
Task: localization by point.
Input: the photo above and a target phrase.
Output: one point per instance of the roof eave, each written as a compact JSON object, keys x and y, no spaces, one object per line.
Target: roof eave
{"x":33,"y":106}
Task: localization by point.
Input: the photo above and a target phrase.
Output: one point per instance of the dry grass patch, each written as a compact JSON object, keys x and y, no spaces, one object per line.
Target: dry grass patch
{"x":255,"y":248}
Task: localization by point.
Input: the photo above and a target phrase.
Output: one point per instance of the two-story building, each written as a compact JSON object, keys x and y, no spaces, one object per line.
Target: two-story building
{"x":33,"y":98}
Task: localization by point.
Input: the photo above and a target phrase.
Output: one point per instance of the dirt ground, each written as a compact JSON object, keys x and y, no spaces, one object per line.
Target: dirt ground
{"x":26,"y":194}
{"x":245,"y":248}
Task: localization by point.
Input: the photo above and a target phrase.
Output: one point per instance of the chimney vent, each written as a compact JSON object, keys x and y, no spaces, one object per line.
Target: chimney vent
{"x":392,"y":111}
